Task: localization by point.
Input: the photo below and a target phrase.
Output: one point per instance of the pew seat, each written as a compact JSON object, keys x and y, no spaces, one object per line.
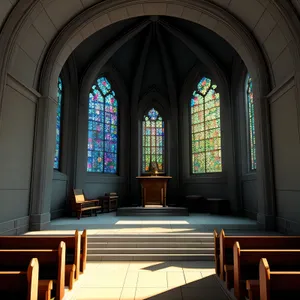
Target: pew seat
{"x":20,"y":285}
{"x":275,"y":285}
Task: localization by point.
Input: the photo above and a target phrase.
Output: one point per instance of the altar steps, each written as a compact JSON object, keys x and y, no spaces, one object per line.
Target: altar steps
{"x":149,"y":247}
{"x":152,"y":211}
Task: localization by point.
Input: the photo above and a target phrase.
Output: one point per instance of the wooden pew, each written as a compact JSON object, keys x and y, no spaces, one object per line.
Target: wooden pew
{"x":278,"y":284}
{"x":249,"y":242}
{"x":73,"y":245}
{"x":21,"y":285}
{"x":51,"y":264}
{"x":246,"y":264}
{"x":217,"y":252}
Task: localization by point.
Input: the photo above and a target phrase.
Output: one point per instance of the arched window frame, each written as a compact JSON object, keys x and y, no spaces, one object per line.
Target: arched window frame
{"x":250,"y":124}
{"x":110,"y":92}
{"x":163,"y":147}
{"x":212,"y":86}
{"x":59,"y":112}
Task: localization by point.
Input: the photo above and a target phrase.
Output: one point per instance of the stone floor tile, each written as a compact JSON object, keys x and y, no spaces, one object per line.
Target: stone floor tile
{"x":149,"y":293}
{"x":131,"y":279}
{"x":99,"y":294}
{"x":191,"y":293}
{"x":152,"y":280}
{"x":175,"y":279}
{"x":128,"y":293}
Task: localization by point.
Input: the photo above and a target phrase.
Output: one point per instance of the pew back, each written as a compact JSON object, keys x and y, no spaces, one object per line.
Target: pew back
{"x":246,"y":264}
{"x":73,"y":244}
{"x":252,"y":242}
{"x":20,"y":284}
{"x":51,"y":263}
{"x":278,"y":284}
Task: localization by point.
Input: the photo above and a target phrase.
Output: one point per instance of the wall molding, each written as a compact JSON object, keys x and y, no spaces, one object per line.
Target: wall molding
{"x":280,"y":90}
{"x":29,"y":93}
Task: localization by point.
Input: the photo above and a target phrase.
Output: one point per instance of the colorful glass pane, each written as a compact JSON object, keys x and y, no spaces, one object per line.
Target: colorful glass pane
{"x":206,"y":128}
{"x":102,"y":128}
{"x":58,"y":123}
{"x":251,"y":123}
{"x":153,"y":140}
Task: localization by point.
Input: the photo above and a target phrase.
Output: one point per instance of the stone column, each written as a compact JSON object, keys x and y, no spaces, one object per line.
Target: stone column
{"x":265,"y":181}
{"x":42,"y":171}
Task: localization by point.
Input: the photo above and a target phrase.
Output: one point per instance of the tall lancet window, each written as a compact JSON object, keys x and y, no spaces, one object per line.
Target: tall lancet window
{"x":153,"y":141}
{"x":250,"y":124}
{"x":102,"y":128}
{"x":206,"y":128}
{"x":58,"y":124}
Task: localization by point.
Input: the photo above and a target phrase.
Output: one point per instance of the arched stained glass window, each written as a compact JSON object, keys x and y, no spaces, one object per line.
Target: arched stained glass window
{"x":206,"y":128}
{"x":153,"y":141}
{"x":102,"y":128}
{"x":250,"y":125}
{"x":58,"y":123}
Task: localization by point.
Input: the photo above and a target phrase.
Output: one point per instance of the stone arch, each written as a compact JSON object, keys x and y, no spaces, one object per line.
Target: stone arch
{"x":217,"y":18}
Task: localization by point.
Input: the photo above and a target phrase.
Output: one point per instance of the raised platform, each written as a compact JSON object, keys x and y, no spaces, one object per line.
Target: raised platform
{"x":152,"y":210}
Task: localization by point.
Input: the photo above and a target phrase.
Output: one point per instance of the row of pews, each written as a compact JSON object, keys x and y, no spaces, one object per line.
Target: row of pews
{"x":40,"y":267}
{"x":259,"y":267}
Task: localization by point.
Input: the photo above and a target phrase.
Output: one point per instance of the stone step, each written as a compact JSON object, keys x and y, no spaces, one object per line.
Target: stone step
{"x":150,"y":257}
{"x":151,"y":239}
{"x":151,"y":251}
{"x":137,"y":244}
{"x":152,"y":211}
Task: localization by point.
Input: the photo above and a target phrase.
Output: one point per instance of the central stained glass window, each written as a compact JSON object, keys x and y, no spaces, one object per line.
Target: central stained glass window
{"x":102,"y":128}
{"x":206,"y":128}
{"x":153,"y":140}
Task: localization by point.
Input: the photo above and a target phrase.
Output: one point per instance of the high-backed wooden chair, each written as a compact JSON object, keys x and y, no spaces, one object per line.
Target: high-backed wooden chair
{"x":80,"y":204}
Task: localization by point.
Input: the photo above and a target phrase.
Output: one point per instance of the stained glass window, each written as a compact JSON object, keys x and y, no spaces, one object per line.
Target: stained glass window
{"x":251,"y":125}
{"x":58,"y":123}
{"x":206,"y":128}
{"x":153,"y":140}
{"x":102,"y":128}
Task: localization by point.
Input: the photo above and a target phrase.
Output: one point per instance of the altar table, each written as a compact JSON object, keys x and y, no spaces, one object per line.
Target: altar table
{"x":154,"y":189}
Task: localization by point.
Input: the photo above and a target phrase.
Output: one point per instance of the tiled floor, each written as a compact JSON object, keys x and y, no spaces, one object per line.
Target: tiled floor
{"x":149,"y":280}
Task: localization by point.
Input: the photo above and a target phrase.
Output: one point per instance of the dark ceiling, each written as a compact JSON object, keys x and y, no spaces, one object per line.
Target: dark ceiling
{"x":182,"y":59}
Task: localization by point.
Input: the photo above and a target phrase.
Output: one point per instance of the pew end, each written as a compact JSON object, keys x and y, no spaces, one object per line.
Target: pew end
{"x":45,"y":288}
{"x":222,"y":253}
{"x":70,"y":276}
{"x":83,"y":255}
{"x":217,"y":252}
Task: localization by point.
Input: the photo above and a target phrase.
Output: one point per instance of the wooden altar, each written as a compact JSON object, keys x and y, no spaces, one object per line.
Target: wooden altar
{"x":154,"y":189}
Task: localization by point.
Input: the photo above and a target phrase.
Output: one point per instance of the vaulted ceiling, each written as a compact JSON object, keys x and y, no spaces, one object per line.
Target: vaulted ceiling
{"x":173,"y":33}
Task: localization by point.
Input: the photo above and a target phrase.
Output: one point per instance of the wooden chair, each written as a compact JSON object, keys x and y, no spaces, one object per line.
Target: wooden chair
{"x":277,"y":284}
{"x":246,"y":265}
{"x":20,"y":284}
{"x":249,"y":242}
{"x":80,"y":204}
{"x":51,"y":265}
{"x":73,"y":244}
